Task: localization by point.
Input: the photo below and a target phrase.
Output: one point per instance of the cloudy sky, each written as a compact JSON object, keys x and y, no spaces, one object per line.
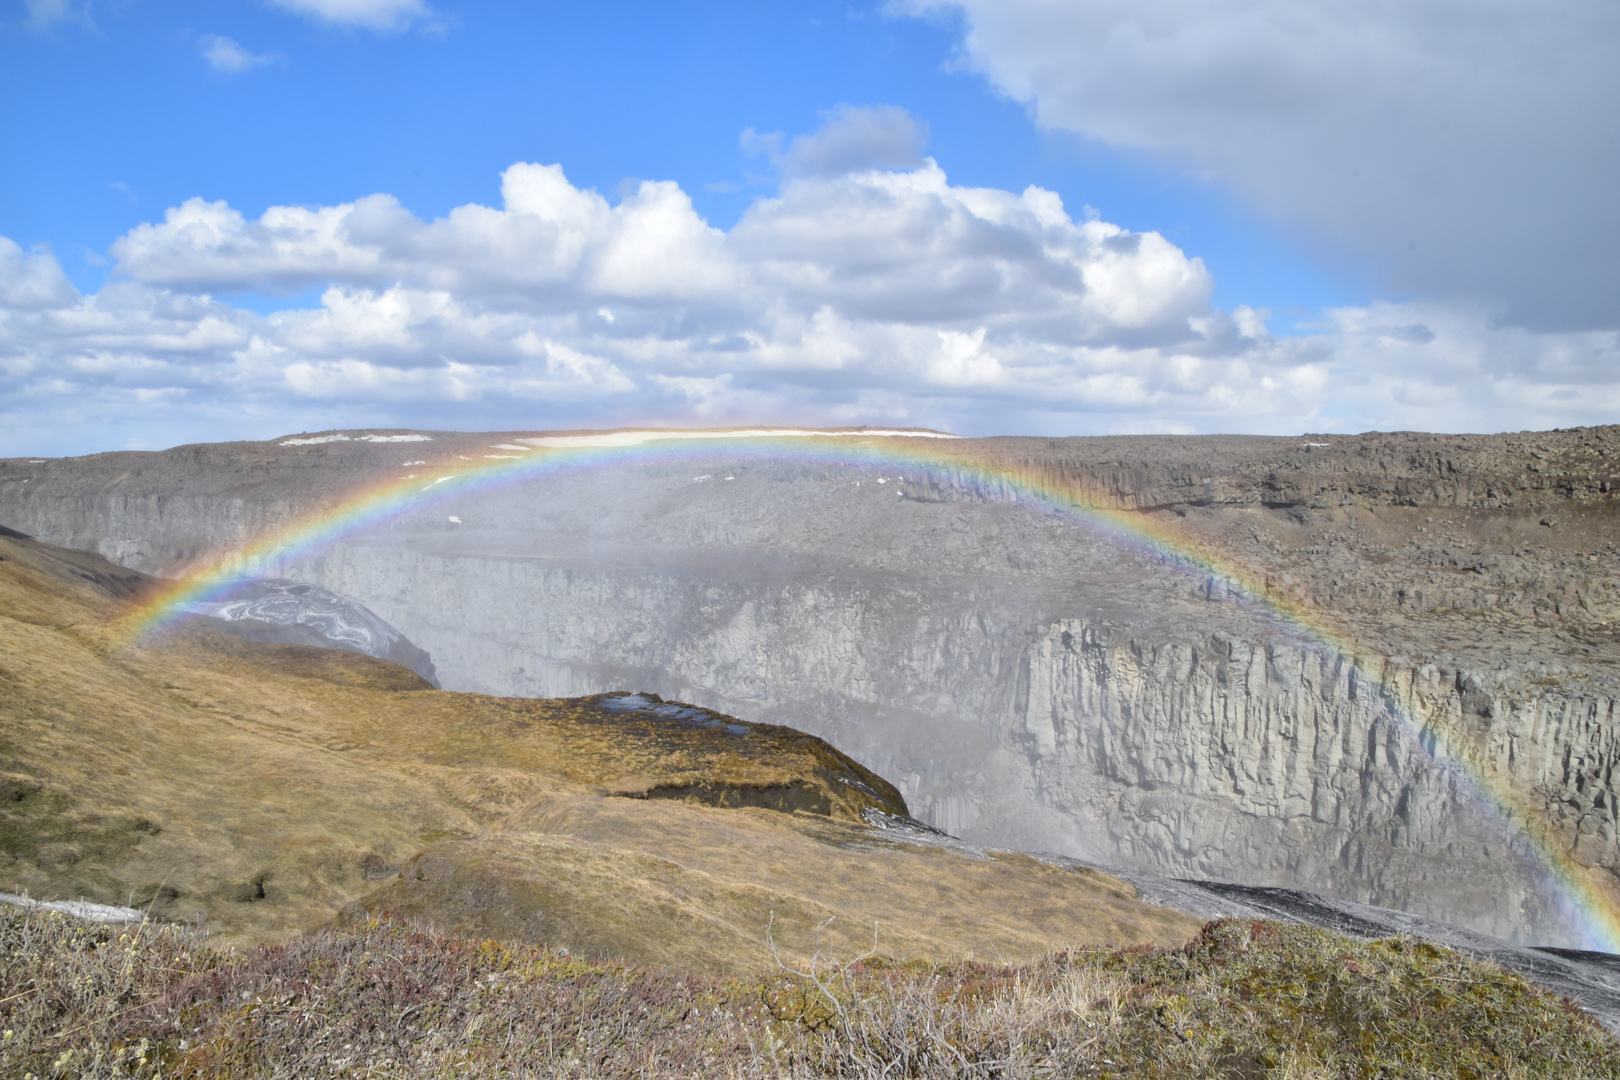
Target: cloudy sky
{"x":990,"y":216}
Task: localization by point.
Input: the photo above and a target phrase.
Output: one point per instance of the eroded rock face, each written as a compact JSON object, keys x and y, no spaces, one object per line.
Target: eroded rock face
{"x":298,"y":613}
{"x":1027,"y":679}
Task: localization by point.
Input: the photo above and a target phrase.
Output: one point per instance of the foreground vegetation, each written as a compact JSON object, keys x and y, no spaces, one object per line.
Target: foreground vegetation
{"x":388,"y":999}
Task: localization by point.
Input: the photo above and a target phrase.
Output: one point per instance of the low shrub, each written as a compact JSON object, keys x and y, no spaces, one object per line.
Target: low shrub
{"x":388,"y":999}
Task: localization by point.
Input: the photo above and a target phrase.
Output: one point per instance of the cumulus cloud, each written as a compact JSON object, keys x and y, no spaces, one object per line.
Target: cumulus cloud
{"x":882,"y":246}
{"x":224,"y":55}
{"x":872,"y":295}
{"x":383,"y":15}
{"x":1469,"y":150}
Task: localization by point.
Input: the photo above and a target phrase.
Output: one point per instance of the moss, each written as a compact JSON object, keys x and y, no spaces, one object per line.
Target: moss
{"x":43,"y":829}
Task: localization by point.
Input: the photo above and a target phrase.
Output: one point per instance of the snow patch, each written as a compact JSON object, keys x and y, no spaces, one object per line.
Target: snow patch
{"x":653,"y":705}
{"x":316,"y":439}
{"x":80,"y":909}
{"x":283,"y":602}
{"x":636,"y":438}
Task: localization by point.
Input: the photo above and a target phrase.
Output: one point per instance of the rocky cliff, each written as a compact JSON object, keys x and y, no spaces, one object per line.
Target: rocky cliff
{"x":1031,"y":679}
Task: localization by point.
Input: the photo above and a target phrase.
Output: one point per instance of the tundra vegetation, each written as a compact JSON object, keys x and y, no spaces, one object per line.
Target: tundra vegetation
{"x":388,"y":999}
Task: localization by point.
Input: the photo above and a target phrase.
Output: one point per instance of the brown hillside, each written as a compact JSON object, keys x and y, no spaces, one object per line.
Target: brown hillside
{"x":268,"y":789}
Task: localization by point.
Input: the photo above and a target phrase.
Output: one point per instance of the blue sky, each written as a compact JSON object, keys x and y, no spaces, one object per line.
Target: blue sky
{"x":613,"y":91}
{"x":1370,"y":300}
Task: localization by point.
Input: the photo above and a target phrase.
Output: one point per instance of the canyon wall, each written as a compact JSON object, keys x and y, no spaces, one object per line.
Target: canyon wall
{"x":1027,"y":679}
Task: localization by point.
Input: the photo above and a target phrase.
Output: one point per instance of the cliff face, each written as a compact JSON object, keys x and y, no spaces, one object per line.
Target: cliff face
{"x":1028,"y":680}
{"x":1218,"y":748}
{"x":1267,"y":760}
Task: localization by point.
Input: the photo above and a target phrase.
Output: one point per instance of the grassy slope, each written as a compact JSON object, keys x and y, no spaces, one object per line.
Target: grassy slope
{"x":270,"y":789}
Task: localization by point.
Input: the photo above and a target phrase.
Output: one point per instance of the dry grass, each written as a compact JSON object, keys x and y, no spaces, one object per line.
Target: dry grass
{"x":1241,"y":1000}
{"x":265,"y":789}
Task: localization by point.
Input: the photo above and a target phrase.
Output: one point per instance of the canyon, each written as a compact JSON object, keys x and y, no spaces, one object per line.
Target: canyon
{"x":1379,"y":667}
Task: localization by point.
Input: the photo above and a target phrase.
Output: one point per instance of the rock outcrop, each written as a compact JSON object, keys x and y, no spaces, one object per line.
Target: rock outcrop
{"x":286,"y":612}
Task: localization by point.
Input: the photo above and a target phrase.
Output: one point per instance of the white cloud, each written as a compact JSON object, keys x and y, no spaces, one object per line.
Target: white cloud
{"x":383,"y":15}
{"x":225,"y":55}
{"x":888,"y":246}
{"x":857,"y":139}
{"x":30,"y":281}
{"x":1469,"y":149}
{"x":872,"y":296}
{"x":908,"y":247}
{"x":44,"y":14}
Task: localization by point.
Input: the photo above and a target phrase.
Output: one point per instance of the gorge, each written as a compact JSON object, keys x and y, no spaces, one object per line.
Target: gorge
{"x":1380,"y":667}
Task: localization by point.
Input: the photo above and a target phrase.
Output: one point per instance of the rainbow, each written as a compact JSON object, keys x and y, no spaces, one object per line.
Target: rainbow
{"x":917,"y":457}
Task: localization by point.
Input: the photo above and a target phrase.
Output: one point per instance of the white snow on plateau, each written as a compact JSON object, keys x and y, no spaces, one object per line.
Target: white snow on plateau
{"x":636,"y":438}
{"x":316,"y":439}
